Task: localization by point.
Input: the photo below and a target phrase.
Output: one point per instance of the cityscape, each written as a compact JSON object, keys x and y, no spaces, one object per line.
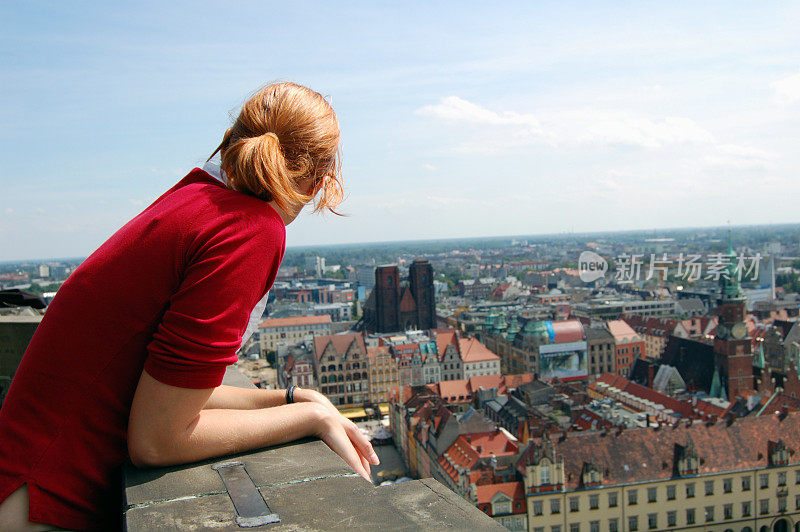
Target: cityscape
{"x":659,"y":397}
{"x":543,"y":256}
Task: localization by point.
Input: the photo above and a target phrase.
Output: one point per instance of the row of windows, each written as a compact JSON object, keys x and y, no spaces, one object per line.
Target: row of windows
{"x":652,"y":493}
{"x":332,"y":367}
{"x":341,"y":378}
{"x":672,"y":517}
{"x":599,"y":347}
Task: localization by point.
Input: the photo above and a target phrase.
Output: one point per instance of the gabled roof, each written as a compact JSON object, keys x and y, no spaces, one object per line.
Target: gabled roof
{"x":622,"y":332}
{"x":513,"y":490}
{"x":637,"y":455}
{"x":445,"y":337}
{"x":473,"y":351}
{"x":407,"y":303}
{"x":340,"y":342}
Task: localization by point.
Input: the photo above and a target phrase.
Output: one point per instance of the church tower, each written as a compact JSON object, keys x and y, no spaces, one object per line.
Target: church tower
{"x":733,"y":356}
{"x":420,"y":277}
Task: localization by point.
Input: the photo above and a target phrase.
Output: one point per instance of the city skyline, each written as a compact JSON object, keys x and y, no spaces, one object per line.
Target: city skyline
{"x":456,"y":123}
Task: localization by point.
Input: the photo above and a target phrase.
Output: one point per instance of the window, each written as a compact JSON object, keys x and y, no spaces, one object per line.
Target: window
{"x":782,"y":503}
{"x":690,"y":516}
{"x":690,"y":490}
{"x":746,"y":509}
{"x":797,"y":502}
{"x":651,"y":494}
{"x":555,"y":506}
{"x":709,"y":487}
{"x":594,"y":526}
{"x":594,"y":502}
{"x":633,"y":523}
{"x":763,"y":506}
{"x":575,"y":527}
{"x":544,"y":471}
{"x":763,"y":480}
{"x":797,"y":477}
{"x":727,"y":485}
{"x":613,"y":525}
{"x":781,"y":478}
{"x":652,"y":521}
{"x":727,"y":511}
{"x":709,"y":514}
{"x":538,"y":529}
{"x":537,"y":508}
{"x":745,"y":483}
{"x":574,"y":504}
{"x":632,"y":496}
{"x":671,"y":493}
{"x":612,"y":499}
{"x":672,"y":518}
{"x":555,"y":528}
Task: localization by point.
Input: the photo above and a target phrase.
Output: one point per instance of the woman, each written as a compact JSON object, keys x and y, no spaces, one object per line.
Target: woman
{"x":129,"y":358}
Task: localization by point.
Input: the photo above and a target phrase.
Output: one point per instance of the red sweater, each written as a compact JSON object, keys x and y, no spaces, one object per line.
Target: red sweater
{"x":171,"y":292}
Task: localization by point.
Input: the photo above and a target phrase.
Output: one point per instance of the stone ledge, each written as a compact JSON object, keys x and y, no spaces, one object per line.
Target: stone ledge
{"x":304,"y":482}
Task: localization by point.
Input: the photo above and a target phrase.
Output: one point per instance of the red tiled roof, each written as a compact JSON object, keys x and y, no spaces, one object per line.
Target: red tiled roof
{"x":473,"y":351}
{"x":445,"y":337}
{"x":451,"y":390}
{"x":299,"y":320}
{"x":514,"y":490}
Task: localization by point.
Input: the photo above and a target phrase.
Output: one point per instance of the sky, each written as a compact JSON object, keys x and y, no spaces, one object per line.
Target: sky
{"x":458,"y":119}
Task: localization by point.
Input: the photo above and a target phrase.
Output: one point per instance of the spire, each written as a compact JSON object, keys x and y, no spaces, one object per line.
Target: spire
{"x":716,"y":385}
{"x":729,"y":282}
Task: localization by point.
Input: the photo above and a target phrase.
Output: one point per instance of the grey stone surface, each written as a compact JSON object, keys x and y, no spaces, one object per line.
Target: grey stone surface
{"x":285,"y":463}
{"x":304,"y":482}
{"x":326,"y":504}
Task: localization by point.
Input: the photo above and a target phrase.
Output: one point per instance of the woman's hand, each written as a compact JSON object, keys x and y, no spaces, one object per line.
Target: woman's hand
{"x":333,"y":430}
{"x":345,"y":439}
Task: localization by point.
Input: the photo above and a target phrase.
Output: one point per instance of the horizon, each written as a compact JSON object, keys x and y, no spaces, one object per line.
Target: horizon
{"x":456,"y":239}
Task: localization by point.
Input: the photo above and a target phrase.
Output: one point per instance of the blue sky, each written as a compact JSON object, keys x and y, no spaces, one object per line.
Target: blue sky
{"x":458,"y":118}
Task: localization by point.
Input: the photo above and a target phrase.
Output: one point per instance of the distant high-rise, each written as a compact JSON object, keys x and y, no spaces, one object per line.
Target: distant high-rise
{"x":392,"y":307}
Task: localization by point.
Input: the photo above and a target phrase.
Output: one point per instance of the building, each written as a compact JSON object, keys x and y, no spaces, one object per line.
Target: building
{"x":628,"y":346}
{"x":394,"y":307}
{"x":655,"y":332}
{"x":476,"y":359}
{"x":295,"y":366}
{"x":341,"y":367}
{"x":290,"y":331}
{"x":733,"y":350}
{"x":600,"y":350}
{"x":742,"y":475}
{"x":382,"y":373}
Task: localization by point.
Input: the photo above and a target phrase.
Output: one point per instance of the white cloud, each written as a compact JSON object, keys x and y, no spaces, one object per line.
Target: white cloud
{"x":509,"y":131}
{"x":455,"y":109}
{"x":787,"y":90}
{"x":428,"y":166}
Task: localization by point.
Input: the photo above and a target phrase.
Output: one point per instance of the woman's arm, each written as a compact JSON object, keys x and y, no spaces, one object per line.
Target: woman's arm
{"x":169,"y":425}
{"x":224,"y":396}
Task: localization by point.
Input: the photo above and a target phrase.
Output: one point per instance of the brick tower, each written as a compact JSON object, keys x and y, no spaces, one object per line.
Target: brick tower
{"x":420,"y":276}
